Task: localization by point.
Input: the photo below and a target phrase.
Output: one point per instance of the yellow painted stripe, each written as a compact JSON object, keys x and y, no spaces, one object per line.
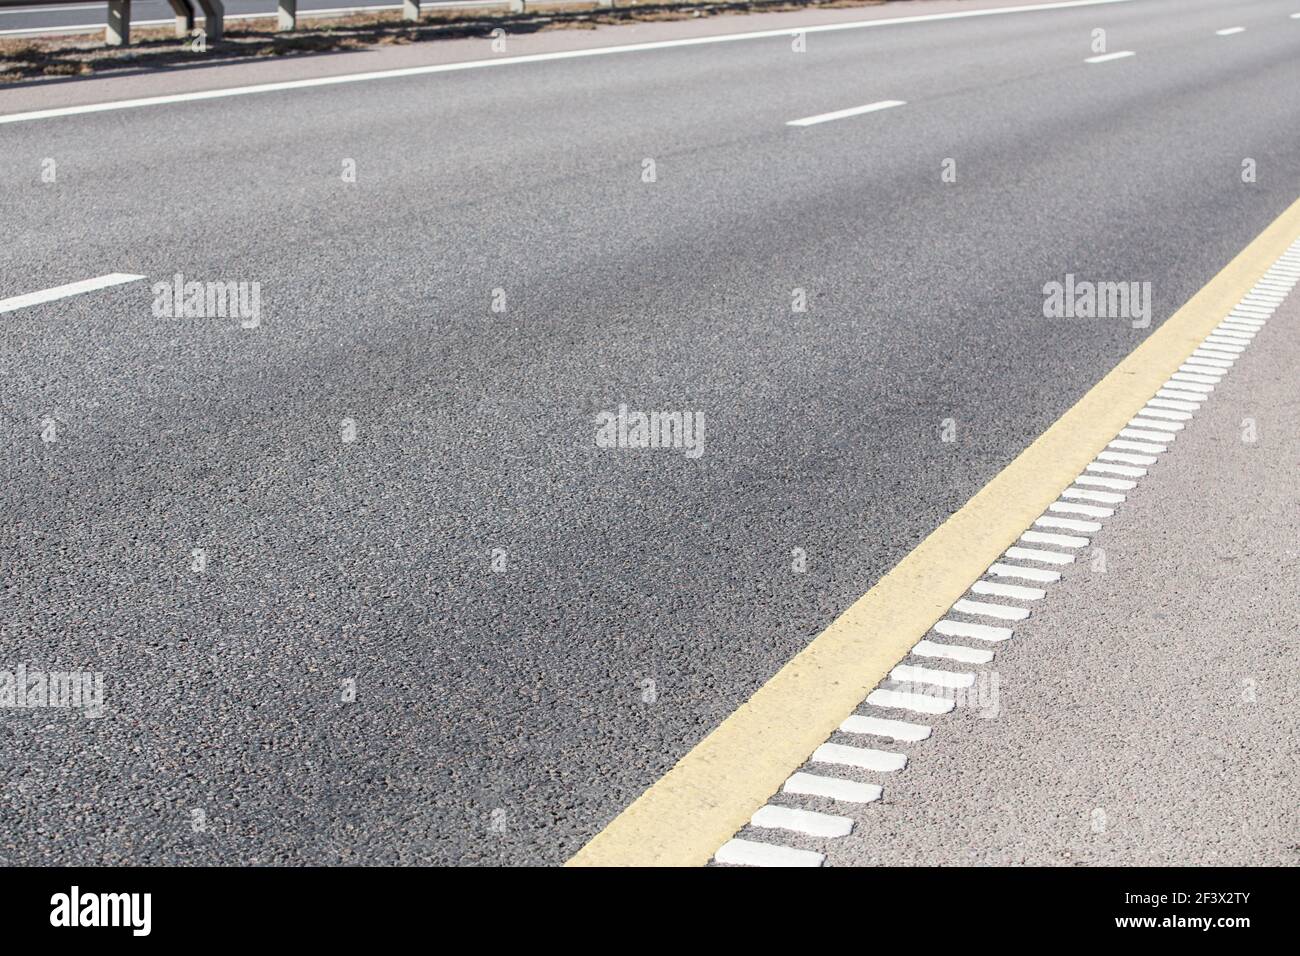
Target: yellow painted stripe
{"x":712,"y":791}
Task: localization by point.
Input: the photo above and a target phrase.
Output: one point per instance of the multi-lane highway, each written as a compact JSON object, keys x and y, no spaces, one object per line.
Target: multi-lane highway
{"x":364,"y":583}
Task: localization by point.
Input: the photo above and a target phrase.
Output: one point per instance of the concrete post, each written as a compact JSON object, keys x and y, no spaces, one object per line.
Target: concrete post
{"x":184,"y":11}
{"x":411,"y":10}
{"x":286,"y":14}
{"x":214,"y":17}
{"x":118,"y":30}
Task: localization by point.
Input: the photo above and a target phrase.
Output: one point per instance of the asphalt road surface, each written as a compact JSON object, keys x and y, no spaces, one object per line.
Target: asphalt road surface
{"x":1147,"y":713}
{"x":354,"y":468}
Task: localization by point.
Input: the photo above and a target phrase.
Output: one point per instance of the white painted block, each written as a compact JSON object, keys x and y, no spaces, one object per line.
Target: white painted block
{"x":833,"y":788}
{"x":919,"y":703}
{"x":911,"y":674}
{"x":865,"y":758}
{"x":807,"y":822}
{"x":749,"y":853}
{"x":883,"y":727}
{"x":984,"y":608}
{"x":953,"y":652}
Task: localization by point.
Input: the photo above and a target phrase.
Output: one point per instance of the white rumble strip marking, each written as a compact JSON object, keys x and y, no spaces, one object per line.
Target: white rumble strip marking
{"x":981,"y":632}
{"x":864,"y":758}
{"x":991,"y":610}
{"x":832,"y":788}
{"x":920,"y":703}
{"x":1060,"y":540}
{"x":1026,"y":574}
{"x":1034,"y":554}
{"x":925,"y":675}
{"x":1080,"y":508}
{"x":750,"y":853}
{"x":881,"y":727}
{"x":948,"y":652}
{"x":802,"y":821}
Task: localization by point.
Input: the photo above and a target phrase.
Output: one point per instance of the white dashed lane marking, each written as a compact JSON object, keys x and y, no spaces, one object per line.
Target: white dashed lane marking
{"x":845,"y":114}
{"x":64,"y":291}
{"x":1107,"y":57}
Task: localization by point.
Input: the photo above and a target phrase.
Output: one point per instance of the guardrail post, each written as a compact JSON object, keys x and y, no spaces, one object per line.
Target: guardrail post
{"x":214,"y":15}
{"x":118,"y":30}
{"x":287,"y":14}
{"x":184,"y":11}
{"x":411,"y":10}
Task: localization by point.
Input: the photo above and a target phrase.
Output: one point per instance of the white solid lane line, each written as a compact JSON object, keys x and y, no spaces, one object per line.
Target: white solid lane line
{"x":1107,"y":57}
{"x":1230,"y":31}
{"x":751,"y":853}
{"x":841,"y":114}
{"x":63,"y":291}
{"x":784,"y":33}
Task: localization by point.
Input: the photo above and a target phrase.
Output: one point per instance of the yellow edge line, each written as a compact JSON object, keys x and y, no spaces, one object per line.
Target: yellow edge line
{"x":712,"y":791}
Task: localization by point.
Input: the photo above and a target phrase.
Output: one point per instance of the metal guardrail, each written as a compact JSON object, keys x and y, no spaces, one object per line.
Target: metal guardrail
{"x":117,"y":31}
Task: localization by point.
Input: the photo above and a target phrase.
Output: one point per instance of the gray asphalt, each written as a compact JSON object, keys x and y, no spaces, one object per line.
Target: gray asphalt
{"x":1147,"y":713}
{"x":500,"y":717}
